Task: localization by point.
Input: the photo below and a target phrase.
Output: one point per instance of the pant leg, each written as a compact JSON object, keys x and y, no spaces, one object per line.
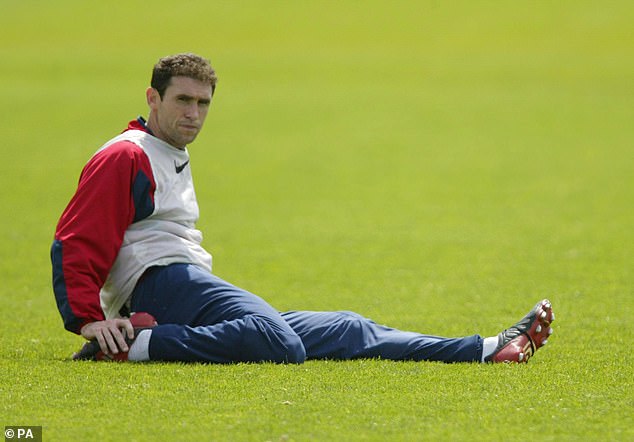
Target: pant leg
{"x":347,"y":335}
{"x":203,"y":318}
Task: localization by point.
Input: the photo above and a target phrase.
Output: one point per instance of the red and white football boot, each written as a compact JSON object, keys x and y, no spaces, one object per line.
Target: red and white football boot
{"x":519,"y":342}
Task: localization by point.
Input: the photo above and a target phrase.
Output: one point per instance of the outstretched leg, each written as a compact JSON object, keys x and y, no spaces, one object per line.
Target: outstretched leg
{"x":347,"y":335}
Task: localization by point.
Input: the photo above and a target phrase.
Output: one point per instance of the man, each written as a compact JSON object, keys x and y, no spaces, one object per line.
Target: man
{"x":127,"y":242}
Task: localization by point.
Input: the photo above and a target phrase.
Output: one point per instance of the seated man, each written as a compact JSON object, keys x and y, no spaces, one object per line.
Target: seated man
{"x":127,"y":242}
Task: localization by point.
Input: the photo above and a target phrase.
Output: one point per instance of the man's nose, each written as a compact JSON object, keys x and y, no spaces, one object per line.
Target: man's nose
{"x":192,"y":111}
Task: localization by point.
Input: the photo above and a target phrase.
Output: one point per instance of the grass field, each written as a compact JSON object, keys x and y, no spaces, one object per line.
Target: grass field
{"x":436,"y":166}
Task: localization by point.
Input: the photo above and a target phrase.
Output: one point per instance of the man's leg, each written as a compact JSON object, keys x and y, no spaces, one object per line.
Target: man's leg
{"x":347,"y":335}
{"x":203,"y":318}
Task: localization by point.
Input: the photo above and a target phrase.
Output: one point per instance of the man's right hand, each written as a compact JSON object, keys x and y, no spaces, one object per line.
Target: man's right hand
{"x":110,"y":334}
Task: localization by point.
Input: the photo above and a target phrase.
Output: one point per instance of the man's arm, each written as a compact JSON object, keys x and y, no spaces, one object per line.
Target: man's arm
{"x":115,"y":188}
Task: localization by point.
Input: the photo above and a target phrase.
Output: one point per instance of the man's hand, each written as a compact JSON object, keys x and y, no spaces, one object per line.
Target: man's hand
{"x":110,"y":334}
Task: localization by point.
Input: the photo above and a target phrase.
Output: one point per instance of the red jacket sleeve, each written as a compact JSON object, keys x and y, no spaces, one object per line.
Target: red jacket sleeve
{"x":116,"y":188}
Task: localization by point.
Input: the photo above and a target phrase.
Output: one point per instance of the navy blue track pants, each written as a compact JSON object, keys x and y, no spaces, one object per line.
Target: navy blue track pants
{"x":203,"y":318}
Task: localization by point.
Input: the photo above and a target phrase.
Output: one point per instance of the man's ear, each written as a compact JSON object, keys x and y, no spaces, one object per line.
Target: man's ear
{"x":153,"y":97}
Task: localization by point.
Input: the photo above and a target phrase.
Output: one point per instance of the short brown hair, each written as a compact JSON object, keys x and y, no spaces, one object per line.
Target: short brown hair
{"x":185,"y":65}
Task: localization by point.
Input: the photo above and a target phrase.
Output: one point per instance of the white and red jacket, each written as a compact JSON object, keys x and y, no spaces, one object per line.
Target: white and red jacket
{"x":135,"y":207}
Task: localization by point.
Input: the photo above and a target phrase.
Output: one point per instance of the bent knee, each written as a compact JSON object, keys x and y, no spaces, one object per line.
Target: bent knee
{"x":286,"y":348}
{"x":295,"y":351}
{"x":278,"y":343}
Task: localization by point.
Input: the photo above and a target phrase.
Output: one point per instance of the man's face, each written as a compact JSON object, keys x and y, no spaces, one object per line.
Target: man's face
{"x":179,"y":116}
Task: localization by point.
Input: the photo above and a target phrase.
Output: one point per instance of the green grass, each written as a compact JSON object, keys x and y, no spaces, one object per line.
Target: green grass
{"x":435,"y":166}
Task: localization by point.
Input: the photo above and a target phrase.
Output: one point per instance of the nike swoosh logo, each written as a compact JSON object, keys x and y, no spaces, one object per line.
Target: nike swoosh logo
{"x":180,"y":168}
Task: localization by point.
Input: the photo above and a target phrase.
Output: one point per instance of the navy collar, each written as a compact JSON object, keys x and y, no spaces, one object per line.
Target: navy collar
{"x":143,"y":123}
